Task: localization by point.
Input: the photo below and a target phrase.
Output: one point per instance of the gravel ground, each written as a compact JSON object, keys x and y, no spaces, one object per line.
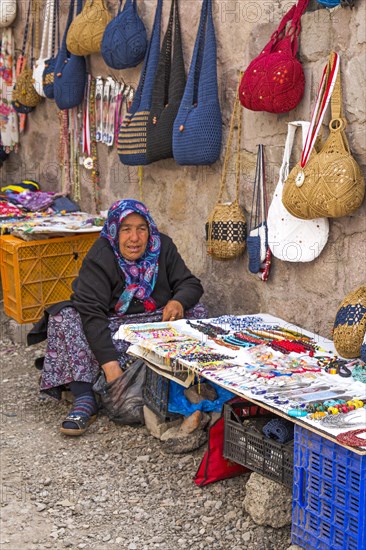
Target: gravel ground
{"x":113,"y":488}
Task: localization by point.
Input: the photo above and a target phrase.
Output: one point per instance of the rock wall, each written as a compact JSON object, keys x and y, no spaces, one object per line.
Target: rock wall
{"x":180,"y":198}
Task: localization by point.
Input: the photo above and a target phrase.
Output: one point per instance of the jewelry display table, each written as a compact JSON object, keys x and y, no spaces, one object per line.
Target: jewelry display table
{"x":329,"y":486}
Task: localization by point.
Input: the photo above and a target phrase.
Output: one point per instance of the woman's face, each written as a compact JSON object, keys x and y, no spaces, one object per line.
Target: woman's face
{"x":133,"y":237}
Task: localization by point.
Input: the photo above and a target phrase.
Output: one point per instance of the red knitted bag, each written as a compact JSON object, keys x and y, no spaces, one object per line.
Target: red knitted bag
{"x":274,"y":81}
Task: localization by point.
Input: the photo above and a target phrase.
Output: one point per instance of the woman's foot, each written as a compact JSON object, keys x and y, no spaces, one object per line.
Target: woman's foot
{"x":82,"y":414}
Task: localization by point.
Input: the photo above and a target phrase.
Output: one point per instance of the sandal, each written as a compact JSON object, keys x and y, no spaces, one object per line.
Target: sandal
{"x":81,"y":421}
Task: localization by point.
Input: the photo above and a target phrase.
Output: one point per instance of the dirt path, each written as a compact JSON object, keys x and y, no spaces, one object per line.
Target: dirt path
{"x":112,"y":488}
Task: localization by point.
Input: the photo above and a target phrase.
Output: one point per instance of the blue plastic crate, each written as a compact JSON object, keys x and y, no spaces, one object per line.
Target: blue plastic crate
{"x":329,"y":495}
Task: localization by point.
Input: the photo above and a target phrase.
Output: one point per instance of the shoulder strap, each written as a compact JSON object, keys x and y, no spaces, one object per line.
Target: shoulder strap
{"x":46,"y":33}
{"x":162,"y":76}
{"x":236,"y":120}
{"x":191,"y":89}
{"x":150,"y":63}
{"x":70,"y":16}
{"x":208,"y":86}
{"x":327,"y":84}
{"x":291,"y":131}
{"x":178,"y":73}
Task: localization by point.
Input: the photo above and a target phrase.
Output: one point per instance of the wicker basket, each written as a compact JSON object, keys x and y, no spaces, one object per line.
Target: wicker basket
{"x":226,"y":228}
{"x":350,"y":324}
{"x":226,"y":231}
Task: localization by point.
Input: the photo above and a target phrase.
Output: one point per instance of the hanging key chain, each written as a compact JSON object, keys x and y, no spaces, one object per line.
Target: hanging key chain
{"x":98,"y":108}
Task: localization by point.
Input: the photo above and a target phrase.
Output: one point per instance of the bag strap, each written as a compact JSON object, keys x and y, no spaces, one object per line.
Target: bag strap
{"x":26,"y":28}
{"x":178,"y":74}
{"x":291,"y":131}
{"x":46,"y":33}
{"x":208,"y":87}
{"x":70,"y":17}
{"x":279,"y":33}
{"x":236,"y":120}
{"x":150,"y":62}
{"x":191,"y":89}
{"x":326,"y":87}
{"x":258,"y":214}
{"x":160,"y":92}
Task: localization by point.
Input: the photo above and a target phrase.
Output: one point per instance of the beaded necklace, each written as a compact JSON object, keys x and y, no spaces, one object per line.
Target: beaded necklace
{"x":206,"y":328}
{"x":93,"y":146}
{"x":359,"y":373}
{"x":350,"y":438}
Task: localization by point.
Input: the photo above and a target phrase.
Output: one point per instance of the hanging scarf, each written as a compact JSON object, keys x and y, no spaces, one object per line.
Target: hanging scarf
{"x":140,"y":274}
{"x":8,"y":117}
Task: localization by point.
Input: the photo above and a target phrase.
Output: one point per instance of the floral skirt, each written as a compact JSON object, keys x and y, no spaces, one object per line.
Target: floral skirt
{"x":68,"y":355}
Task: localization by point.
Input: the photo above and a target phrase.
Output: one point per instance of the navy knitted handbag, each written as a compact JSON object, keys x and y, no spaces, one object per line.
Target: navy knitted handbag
{"x":70,"y":71}
{"x":132,"y":132}
{"x":197,"y":128}
{"x":124,"y":40}
{"x":168,"y":91}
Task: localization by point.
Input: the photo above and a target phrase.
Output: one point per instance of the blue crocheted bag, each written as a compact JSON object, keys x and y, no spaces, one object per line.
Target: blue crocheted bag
{"x":132,"y":132}
{"x":197,"y":130}
{"x":350,"y":324}
{"x":70,"y":71}
{"x":124,"y":40}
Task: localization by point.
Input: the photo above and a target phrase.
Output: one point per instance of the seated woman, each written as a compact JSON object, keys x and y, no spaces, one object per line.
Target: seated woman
{"x":132,"y":274}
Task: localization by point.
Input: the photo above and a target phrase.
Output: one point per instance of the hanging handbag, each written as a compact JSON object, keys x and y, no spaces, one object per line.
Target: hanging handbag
{"x":167,"y":92}
{"x":291,"y":239}
{"x":274,"y":81}
{"x":124,"y":40}
{"x":257,"y":240}
{"x":24,"y":93}
{"x":226,"y":228}
{"x":48,"y":77}
{"x":70,"y":71}
{"x":8,"y":12}
{"x":350,"y":324}
{"x":85,"y":33}
{"x":197,"y":130}
{"x":132,"y":133}
{"x":44,"y":54}
{"x":329,"y":183}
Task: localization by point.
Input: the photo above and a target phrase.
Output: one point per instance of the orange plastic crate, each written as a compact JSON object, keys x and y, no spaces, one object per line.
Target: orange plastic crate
{"x":37,"y":274}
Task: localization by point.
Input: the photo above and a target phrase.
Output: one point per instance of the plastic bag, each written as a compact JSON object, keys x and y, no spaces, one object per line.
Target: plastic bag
{"x":122,"y":399}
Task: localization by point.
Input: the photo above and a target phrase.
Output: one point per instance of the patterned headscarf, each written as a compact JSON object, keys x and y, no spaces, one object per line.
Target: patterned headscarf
{"x":140,"y":274}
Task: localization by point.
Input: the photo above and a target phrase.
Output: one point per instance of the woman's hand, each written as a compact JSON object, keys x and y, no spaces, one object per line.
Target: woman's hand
{"x":173,"y":311}
{"x":112,"y":370}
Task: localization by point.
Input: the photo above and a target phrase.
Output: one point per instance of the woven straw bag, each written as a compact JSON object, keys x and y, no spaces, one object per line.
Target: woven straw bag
{"x":86,"y":31}
{"x":350,"y":324}
{"x":24,"y":92}
{"x":226,"y":227}
{"x":330,"y":184}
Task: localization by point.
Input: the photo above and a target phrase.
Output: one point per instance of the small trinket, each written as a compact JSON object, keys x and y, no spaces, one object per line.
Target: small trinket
{"x":88,"y":163}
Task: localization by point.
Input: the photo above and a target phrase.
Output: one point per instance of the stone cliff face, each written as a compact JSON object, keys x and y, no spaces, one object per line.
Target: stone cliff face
{"x":180,"y":198}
